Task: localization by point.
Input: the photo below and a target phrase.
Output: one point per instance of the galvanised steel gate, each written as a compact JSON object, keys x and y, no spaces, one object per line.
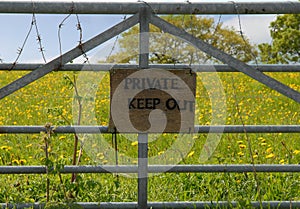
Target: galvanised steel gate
{"x":145,"y":14}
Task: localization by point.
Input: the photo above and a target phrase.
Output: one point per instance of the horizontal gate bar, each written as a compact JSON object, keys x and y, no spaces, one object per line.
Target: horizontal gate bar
{"x":107,"y":67}
{"x":198,"y":129}
{"x":83,"y":7}
{"x":241,"y":168}
{"x":166,"y":205}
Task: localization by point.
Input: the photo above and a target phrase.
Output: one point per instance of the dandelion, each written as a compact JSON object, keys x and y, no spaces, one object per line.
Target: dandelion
{"x":6,"y":148}
{"x":134,"y":143}
{"x":62,"y":137}
{"x":161,"y":152}
{"x":269,"y":150}
{"x":255,"y":156}
{"x":240,"y":142}
{"x":49,"y":149}
{"x":263,"y":144}
{"x":296,"y":152}
{"x":271,"y":155}
{"x":22,"y":161}
{"x":242,"y":146}
{"x":15,"y":161}
{"x":262,"y":139}
{"x":241,"y":154}
{"x":281,"y":161}
{"x":191,"y":154}
{"x":28,"y":145}
{"x":100,"y":155}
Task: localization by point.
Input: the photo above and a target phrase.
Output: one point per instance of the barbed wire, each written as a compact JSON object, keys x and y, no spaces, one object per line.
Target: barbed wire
{"x":115,"y":43}
{"x":79,"y":28}
{"x":39,"y":39}
{"x":59,"y":35}
{"x":239,"y":112}
{"x":236,"y":8}
{"x":59,"y":31}
{"x":20,"y":49}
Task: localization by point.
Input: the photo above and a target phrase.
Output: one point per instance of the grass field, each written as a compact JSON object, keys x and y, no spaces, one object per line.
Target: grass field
{"x":51,"y":100}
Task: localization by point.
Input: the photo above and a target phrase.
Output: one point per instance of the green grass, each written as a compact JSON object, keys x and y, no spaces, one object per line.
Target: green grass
{"x":51,"y":100}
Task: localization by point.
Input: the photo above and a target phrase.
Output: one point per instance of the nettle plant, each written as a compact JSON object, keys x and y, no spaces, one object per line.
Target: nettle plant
{"x":59,"y":189}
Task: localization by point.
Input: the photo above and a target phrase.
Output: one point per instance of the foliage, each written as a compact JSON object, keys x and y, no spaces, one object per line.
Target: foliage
{"x":165,"y":48}
{"x":258,"y":104}
{"x":51,"y":100}
{"x":285,"y":46}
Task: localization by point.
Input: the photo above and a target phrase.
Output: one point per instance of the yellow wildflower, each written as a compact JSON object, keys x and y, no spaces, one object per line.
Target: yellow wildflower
{"x":271,"y":155}
{"x":28,"y":145}
{"x":161,"y":152}
{"x":191,"y":154}
{"x":134,"y":143}
{"x":7,"y":148}
{"x":269,"y":150}
{"x":241,"y":154}
{"x":296,"y":152}
{"x":22,"y":161}
{"x":15,"y":161}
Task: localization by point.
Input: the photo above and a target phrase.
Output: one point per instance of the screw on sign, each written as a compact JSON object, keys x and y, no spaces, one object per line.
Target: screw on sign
{"x":152,"y":101}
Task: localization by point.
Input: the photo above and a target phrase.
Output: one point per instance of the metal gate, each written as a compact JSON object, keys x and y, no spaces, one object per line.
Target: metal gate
{"x":144,"y":14}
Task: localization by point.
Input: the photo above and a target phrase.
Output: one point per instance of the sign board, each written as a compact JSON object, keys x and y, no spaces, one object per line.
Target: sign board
{"x":152,"y":101}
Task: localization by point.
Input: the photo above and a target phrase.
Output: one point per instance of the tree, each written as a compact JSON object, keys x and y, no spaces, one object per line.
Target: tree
{"x":165,"y":48}
{"x":285,"y":46}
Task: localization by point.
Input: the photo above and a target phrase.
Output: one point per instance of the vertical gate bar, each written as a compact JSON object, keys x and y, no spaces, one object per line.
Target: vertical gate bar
{"x":143,"y":137}
{"x":144,"y":39}
{"x":142,"y":170}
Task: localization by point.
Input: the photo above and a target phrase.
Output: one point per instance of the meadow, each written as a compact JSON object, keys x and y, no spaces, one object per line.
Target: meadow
{"x":52,"y":100}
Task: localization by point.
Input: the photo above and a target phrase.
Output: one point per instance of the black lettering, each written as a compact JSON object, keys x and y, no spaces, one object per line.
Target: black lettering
{"x":149,"y":103}
{"x":140,"y":103}
{"x":130,"y":102}
{"x":156,"y":101}
{"x":171,"y":104}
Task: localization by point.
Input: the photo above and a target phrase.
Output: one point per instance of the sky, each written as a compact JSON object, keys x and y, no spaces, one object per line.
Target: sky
{"x":15,"y":27}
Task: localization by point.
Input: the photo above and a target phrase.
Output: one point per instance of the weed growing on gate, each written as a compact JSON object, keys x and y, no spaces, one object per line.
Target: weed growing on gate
{"x":50,"y":100}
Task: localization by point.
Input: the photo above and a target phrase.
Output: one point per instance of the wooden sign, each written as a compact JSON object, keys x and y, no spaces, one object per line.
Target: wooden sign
{"x":152,"y":101}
